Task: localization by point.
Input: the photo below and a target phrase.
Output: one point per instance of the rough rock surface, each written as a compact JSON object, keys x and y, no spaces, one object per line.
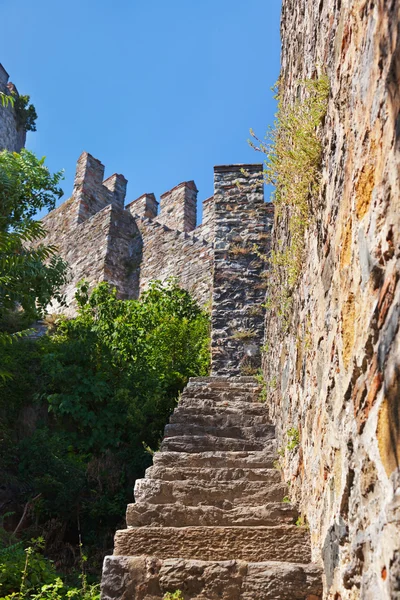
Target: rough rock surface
{"x":338,"y":368}
{"x":12,"y":135}
{"x":213,"y":524}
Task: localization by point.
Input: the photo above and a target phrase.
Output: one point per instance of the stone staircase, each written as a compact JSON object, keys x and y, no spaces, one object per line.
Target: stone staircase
{"x":209,"y":518}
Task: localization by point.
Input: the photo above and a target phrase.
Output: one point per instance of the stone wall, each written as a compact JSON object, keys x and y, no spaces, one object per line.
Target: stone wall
{"x":12,"y":137}
{"x":172,"y":253}
{"x":129,"y":247}
{"x":242,"y":230}
{"x":334,"y":377}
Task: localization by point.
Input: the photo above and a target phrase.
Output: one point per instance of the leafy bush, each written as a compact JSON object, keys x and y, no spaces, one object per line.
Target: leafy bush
{"x":31,"y":273}
{"x":28,"y":575}
{"x":95,"y":392}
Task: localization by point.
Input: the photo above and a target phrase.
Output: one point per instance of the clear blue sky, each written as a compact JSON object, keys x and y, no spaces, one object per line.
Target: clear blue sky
{"x":160,"y":91}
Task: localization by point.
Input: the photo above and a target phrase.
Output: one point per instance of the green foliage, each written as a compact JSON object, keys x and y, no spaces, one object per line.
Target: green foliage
{"x":31,"y":274}
{"x":25,"y":113}
{"x":101,"y":389}
{"x":293,"y":152}
{"x":6,"y":99}
{"x":24,"y":570}
{"x":294,"y":438}
{"x":286,"y":500}
{"x":261,"y":381}
{"x":174,"y":596}
{"x":26,"y":574}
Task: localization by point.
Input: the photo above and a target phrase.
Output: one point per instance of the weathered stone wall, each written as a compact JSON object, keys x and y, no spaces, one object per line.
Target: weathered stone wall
{"x":242,"y":231}
{"x":129,"y":247}
{"x":171,"y":253}
{"x":335,"y":376}
{"x":178,"y":207}
{"x":12,"y":137}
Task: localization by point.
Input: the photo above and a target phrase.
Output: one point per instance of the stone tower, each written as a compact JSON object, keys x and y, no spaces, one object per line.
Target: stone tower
{"x":12,"y":134}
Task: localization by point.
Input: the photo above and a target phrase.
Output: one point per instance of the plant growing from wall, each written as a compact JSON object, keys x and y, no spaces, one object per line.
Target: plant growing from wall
{"x":25,"y":113}
{"x":6,"y":99}
{"x":293,"y":152}
{"x":173,"y":596}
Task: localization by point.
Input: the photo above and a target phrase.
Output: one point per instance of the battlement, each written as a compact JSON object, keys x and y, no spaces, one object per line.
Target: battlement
{"x":144,"y":206}
{"x":91,"y":192}
{"x":178,"y":207}
{"x":103,"y":241}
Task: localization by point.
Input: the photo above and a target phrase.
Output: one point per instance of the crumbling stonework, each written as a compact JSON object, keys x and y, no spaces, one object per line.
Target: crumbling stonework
{"x":128,"y":247}
{"x":334,"y":377}
{"x":12,"y":135}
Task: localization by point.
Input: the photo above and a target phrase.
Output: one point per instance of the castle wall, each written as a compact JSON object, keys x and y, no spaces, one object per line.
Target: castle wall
{"x":12,"y":137}
{"x":334,"y":376}
{"x":207,"y":227}
{"x":102,"y":241}
{"x":242,"y":231}
{"x":178,"y":207}
{"x":171,"y":253}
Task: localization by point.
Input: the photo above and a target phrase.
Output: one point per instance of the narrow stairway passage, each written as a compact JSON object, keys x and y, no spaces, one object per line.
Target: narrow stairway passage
{"x":209,"y":518}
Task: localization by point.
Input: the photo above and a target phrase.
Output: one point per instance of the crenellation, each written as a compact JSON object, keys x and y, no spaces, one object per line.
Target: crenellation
{"x":206,"y":229}
{"x":90,"y":192}
{"x":145,"y":206}
{"x":116,"y":184}
{"x":130,"y":247}
{"x":178,"y":207}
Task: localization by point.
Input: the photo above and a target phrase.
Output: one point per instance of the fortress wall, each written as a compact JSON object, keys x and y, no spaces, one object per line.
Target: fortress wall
{"x":335,"y":375}
{"x":207,"y":227}
{"x":242,"y":222}
{"x":12,"y":137}
{"x":169,"y":253}
{"x":178,"y":207}
{"x":85,"y":249}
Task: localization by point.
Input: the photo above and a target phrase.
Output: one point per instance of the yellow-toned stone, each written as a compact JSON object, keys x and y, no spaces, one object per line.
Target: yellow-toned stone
{"x":348,"y":328}
{"x":388,"y":432}
{"x":364,"y":189}
{"x":345,"y":256}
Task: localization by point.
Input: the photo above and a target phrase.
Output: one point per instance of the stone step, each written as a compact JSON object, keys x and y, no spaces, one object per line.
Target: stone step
{"x":218,"y":418}
{"x":228,"y":395}
{"x":179,"y":515}
{"x":202,"y":443}
{"x":194,"y":493}
{"x":214,"y":475}
{"x":196,"y":408}
{"x":149,"y":578}
{"x":204,"y":406}
{"x":252,"y":433}
{"x":237,"y":460}
{"x":218,"y":380}
{"x":284,"y":542}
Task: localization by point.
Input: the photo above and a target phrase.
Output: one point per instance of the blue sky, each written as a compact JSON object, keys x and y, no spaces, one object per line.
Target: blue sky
{"x":159,"y":91}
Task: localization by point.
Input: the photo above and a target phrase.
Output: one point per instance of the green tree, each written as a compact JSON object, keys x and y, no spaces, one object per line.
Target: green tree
{"x":31,"y":273}
{"x":103,"y":386}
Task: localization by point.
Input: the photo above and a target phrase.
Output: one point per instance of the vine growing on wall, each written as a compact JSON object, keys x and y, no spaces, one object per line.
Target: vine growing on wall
{"x":293,"y":150}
